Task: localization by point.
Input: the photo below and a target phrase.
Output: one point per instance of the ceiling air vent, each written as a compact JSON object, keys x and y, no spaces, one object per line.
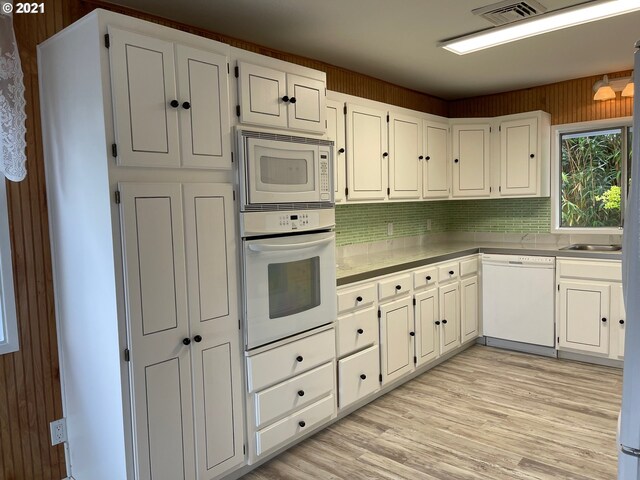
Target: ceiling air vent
{"x":509,"y":11}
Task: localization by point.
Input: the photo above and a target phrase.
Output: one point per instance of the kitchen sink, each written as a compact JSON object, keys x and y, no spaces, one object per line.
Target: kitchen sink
{"x":593,"y":248}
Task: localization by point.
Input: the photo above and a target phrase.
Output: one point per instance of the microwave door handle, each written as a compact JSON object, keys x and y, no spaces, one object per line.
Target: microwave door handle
{"x":265,"y":247}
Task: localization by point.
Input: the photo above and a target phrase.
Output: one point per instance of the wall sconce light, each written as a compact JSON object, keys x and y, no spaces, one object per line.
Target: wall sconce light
{"x":606,"y":89}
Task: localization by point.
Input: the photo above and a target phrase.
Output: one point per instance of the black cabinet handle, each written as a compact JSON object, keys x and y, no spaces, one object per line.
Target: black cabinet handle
{"x":456,"y":161}
{"x":285,"y":99}
{"x":451,"y":272}
{"x":427,"y":157}
{"x":363,"y":376}
{"x":385,"y":154}
{"x":301,"y":423}
{"x":341,"y":150}
{"x":428,"y":277}
{"x":186,"y":105}
{"x":621,"y":322}
{"x":358,"y":298}
{"x":398,"y":287}
{"x":292,"y":100}
{"x":186,"y":341}
{"x":444,"y":322}
{"x":299,"y":358}
{"x":301,"y":393}
{"x":604,"y":320}
{"x":174,"y":103}
{"x":420,"y":157}
{"x":360,"y":331}
{"x":532,"y":155}
{"x":437,"y":322}
{"x":412,"y":334}
{"x":197,"y":339}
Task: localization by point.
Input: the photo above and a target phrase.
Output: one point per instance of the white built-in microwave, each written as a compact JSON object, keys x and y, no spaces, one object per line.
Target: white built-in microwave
{"x":284,"y":171}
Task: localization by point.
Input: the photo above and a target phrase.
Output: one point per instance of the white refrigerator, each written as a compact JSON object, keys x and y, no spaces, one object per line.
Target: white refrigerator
{"x":629,"y":435}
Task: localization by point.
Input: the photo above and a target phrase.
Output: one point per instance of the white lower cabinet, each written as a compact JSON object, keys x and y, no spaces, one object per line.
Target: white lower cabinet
{"x":469,"y":313}
{"x":396,"y":339}
{"x":427,"y":315}
{"x":356,"y":330}
{"x":449,"y":317}
{"x":358,"y":376}
{"x":618,"y":322}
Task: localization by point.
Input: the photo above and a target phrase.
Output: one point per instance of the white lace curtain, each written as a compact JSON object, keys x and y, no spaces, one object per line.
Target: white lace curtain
{"x":12,"y":112}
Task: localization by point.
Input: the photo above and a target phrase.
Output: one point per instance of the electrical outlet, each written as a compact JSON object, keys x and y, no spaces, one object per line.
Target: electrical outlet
{"x":389,"y":229}
{"x":428,"y":225}
{"x":58,"y":431}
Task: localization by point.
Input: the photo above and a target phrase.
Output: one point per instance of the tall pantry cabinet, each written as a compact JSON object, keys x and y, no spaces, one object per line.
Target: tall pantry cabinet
{"x":138,"y":163}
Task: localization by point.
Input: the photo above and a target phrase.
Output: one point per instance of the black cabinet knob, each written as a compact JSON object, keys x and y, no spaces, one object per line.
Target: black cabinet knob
{"x":197,"y":339}
{"x":360,"y":331}
{"x":428,"y":277}
{"x":420,"y":157}
{"x":341,"y":150}
{"x":299,"y":358}
{"x":427,"y":157}
{"x":285,"y":99}
{"x":292,"y":100}
{"x":437,"y":322}
{"x":532,"y":155}
{"x":186,"y":341}
{"x":444,"y":322}
{"x":621,"y":322}
{"x":604,"y":320}
{"x":398,"y":287}
{"x":456,"y":161}
{"x":301,"y":423}
{"x":385,"y":154}
{"x":412,"y":334}
{"x":301,"y":393}
{"x":358,"y":298}
{"x":186,"y":105}
{"x":174,"y":103}
{"x":363,"y":376}
{"x":451,"y":272}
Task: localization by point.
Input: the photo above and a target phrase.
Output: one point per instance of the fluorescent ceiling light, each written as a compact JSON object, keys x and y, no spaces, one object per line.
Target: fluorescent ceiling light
{"x":545,"y":23}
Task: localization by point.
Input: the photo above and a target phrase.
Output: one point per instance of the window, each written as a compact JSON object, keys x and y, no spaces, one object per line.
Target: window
{"x":8,"y":320}
{"x":592,"y":162}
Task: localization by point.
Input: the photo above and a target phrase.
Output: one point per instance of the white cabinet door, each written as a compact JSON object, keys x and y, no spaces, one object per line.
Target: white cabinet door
{"x":203,"y":93}
{"x":336,"y":132}
{"x":405,"y":148}
{"x":519,"y":157}
{"x":449,"y":318}
{"x":469,"y":308}
{"x":307,"y":103}
{"x":213,"y":315}
{"x":584,"y":316}
{"x":156,"y":310}
{"x":435,"y":168}
{"x":145,"y":102}
{"x":471,"y":150}
{"x":618,"y":322}
{"x":427,"y":337}
{"x":396,"y":341}
{"x":262,"y":94}
{"x":366,"y":153}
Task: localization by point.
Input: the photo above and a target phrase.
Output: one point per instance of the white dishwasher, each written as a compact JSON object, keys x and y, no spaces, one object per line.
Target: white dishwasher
{"x":518,"y":298}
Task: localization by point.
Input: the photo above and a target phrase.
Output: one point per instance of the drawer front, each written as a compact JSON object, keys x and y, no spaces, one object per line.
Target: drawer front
{"x":469,"y":267}
{"x":294,"y":425}
{"x":358,"y":376}
{"x":354,"y":298}
{"x":448,"y":272}
{"x":425,"y":277}
{"x":275,"y":365}
{"x":394,"y":287}
{"x":293,"y":394}
{"x":356,"y":331}
{"x":591,"y":270}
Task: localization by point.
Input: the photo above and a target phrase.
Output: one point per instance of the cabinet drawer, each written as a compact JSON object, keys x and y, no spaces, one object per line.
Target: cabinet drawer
{"x":592,"y":270}
{"x":394,"y":287}
{"x":282,"y":362}
{"x":468,"y":267}
{"x":293,"y":394}
{"x":294,"y":425}
{"x":357,"y":297}
{"x":425,"y":277}
{"x":448,"y":272}
{"x":356,"y":331}
{"x":358,"y":376}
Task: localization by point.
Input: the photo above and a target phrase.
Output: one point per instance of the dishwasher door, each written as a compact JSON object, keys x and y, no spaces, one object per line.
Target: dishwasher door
{"x":519,"y":299}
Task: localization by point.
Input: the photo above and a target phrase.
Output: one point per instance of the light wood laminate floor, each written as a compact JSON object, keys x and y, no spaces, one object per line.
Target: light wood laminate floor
{"x":484,"y":414}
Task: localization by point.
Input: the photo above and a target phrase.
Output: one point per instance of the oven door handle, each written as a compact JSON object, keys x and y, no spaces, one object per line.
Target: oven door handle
{"x":265,"y":247}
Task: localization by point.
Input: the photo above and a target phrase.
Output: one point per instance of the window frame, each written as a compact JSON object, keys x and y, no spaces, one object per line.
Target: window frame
{"x":556,"y":178}
{"x":8,"y":316}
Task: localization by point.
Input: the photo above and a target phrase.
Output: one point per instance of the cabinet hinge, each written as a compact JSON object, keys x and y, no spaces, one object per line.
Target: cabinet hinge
{"x":387,"y":118}
{"x":231,"y":157}
{"x":346,"y":192}
{"x":228,"y":68}
{"x":107,"y":41}
{"x":388,"y":191}
{"x":489,"y":189}
{"x":500,"y":188}
{"x":116,"y":196}
{"x":234,"y":195}
{"x":114,"y":150}
{"x":380,"y":378}
{"x":326,"y":124}
{"x":344,"y":109}
{"x":244,"y":449}
{"x":558,"y":287}
{"x":489,"y":129}
{"x":500,"y":128}
{"x":558,"y":340}
{"x":379,"y":314}
{"x":127,"y":357}
{"x":414,"y":301}
{"x":237,"y":110}
{"x":239,"y":327}
{"x":236,"y":71}
{"x":415,"y":359}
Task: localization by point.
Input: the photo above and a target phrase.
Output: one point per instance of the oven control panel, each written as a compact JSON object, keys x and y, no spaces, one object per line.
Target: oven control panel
{"x":273,"y":223}
{"x":325,"y":184}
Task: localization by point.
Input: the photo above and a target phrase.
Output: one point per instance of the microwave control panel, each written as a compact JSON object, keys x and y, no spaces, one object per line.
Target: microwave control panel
{"x":269,"y":223}
{"x":325,"y":184}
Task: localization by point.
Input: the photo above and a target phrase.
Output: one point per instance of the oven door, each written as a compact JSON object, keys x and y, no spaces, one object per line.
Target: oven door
{"x":290,"y":286}
{"x":281,"y":172}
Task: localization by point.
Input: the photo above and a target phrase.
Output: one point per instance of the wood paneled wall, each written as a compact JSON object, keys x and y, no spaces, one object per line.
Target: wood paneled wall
{"x":567,"y":102}
{"x":30,"y":394}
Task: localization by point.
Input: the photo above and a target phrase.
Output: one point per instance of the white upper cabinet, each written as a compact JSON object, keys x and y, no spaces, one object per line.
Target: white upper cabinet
{"x":279,"y":99}
{"x":405,"y":152}
{"x":171,"y":105}
{"x":366,"y":153}
{"x":471,"y":160}
{"x":435,"y":167}
{"x":519,"y":157}
{"x":336,"y":132}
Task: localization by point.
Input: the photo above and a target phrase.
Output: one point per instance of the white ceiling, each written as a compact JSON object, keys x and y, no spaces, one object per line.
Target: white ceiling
{"x":397,"y":40}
